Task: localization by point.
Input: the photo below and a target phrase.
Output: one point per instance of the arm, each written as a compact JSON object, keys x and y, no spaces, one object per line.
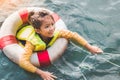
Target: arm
{"x":80,"y":40}
{"x":25,"y":59}
{"x":25,"y":63}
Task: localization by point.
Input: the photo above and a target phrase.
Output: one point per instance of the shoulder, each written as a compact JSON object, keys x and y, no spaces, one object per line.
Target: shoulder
{"x":25,"y":32}
{"x":64,"y":31}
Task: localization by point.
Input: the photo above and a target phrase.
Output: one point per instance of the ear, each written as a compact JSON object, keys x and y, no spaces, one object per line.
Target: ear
{"x":37,"y":31}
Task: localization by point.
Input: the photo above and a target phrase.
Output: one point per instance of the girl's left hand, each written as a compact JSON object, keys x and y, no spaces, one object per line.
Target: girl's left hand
{"x":95,"y":50}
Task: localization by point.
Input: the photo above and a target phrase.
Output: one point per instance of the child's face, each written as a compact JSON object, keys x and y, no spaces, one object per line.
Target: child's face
{"x":47,"y":29}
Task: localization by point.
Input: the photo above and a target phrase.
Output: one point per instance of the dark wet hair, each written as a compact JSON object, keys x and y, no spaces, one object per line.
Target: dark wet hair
{"x":36,"y":18}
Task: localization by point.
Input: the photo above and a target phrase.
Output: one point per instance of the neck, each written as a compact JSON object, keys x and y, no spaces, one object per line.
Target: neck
{"x":45,"y":39}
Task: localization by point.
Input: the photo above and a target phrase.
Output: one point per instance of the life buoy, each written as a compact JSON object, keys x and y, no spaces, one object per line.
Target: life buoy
{"x":14,"y":51}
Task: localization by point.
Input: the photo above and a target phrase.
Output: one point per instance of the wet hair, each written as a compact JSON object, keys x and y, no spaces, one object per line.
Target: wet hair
{"x":36,"y":19}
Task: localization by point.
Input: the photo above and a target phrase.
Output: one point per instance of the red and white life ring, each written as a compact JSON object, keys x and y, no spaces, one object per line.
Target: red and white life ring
{"x":14,"y":51}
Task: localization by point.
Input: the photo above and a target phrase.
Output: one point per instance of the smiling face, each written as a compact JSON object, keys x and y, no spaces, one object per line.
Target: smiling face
{"x":43,"y":23}
{"x":47,"y":27}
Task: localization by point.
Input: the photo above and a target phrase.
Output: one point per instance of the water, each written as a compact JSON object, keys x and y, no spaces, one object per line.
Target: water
{"x":96,"y":20}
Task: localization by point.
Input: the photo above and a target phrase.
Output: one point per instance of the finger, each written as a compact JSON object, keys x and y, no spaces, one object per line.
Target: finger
{"x":100,"y":51}
{"x":51,"y":74}
{"x":54,"y":76}
{"x":50,"y":78}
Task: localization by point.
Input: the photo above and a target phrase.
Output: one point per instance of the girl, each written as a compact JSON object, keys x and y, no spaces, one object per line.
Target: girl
{"x":43,"y":26}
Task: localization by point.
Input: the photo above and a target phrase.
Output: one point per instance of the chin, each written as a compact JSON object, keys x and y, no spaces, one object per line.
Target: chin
{"x":51,"y":36}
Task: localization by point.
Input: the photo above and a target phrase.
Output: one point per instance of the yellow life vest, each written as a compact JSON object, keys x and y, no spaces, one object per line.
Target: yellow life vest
{"x":28,"y":33}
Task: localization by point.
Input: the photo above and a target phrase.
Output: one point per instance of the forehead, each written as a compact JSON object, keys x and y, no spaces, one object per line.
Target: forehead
{"x":48,"y":20}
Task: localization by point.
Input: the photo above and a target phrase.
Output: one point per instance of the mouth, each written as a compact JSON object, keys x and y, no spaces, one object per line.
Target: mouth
{"x":51,"y":33}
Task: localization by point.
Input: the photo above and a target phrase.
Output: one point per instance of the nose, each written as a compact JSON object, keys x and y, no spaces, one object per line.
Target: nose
{"x":52,"y":27}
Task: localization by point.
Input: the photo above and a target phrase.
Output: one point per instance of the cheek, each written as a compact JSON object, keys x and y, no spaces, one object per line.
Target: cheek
{"x":45,"y":31}
{"x":54,"y":27}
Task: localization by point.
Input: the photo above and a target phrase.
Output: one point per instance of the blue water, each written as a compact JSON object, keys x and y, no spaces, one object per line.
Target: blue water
{"x":98,"y":21}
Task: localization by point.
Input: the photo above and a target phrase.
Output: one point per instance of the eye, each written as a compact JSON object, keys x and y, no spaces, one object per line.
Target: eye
{"x":52,"y":24}
{"x":46,"y":26}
